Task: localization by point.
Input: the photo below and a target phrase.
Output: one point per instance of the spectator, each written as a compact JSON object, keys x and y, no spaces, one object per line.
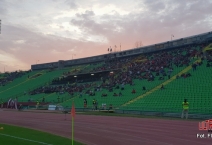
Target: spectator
{"x":1,"y":103}
{"x":185,"y":106}
{"x":122,"y":86}
{"x":37,"y":104}
{"x":43,"y":100}
{"x":161,"y":78}
{"x":58,"y":99}
{"x":115,"y":94}
{"x":104,"y":95}
{"x":80,"y":94}
{"x":85,"y":103}
{"x":194,"y":66}
{"x":188,"y":74}
{"x":111,"y":107}
{"x":94,"y":103}
{"x":133,"y":91}
{"x":103,"y":106}
{"x":162,"y":87}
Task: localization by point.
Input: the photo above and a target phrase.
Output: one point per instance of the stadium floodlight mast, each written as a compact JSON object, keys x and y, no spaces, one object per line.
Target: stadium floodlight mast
{"x":73,"y":55}
{"x":172,"y":36}
{"x":120,"y":47}
{"x":37,"y":61}
{"x":115,"y":48}
{"x":4,"y":68}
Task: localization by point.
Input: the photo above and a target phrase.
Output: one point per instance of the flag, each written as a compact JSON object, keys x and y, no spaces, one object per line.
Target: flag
{"x":72,"y":116}
{"x":120,"y":46}
{"x":73,"y":111}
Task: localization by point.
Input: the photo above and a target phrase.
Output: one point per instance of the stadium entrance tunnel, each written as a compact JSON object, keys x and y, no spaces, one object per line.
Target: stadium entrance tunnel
{"x":35,"y":76}
{"x":85,"y":77}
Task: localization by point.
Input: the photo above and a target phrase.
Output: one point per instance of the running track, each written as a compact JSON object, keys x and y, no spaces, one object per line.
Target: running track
{"x":105,"y":130}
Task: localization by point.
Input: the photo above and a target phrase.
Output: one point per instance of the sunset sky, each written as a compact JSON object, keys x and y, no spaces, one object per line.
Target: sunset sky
{"x":40,"y":31}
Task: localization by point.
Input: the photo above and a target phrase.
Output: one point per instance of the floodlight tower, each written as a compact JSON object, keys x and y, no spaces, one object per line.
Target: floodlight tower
{"x":0,"y":26}
{"x":73,"y":55}
{"x":4,"y":68}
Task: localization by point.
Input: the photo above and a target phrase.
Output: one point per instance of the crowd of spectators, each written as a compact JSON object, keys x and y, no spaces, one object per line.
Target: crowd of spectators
{"x":158,"y":65}
{"x":161,"y":64}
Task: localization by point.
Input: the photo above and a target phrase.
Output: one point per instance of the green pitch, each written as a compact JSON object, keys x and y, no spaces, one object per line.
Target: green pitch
{"x":13,"y":135}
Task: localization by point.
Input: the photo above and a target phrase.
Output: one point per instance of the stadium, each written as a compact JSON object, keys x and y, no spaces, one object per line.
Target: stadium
{"x":159,"y":94}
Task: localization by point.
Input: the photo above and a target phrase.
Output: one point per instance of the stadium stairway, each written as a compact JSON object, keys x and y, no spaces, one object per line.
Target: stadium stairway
{"x":159,"y":86}
{"x":209,"y":47}
{"x":46,"y":96}
{"x":67,"y":102}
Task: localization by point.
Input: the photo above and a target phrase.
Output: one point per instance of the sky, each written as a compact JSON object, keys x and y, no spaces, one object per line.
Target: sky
{"x":42,"y":31}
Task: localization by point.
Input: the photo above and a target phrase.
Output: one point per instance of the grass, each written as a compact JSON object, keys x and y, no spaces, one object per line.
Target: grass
{"x":13,"y":135}
{"x":136,"y":116}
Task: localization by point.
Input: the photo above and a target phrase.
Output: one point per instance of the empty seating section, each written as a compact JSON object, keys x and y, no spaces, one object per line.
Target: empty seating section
{"x":23,"y":85}
{"x":9,"y":88}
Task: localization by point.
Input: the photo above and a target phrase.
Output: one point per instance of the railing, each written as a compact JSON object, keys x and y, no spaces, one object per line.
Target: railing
{"x":163,"y":112}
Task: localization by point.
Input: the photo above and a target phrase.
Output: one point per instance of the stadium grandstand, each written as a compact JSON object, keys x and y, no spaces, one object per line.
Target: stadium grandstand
{"x":154,"y":79}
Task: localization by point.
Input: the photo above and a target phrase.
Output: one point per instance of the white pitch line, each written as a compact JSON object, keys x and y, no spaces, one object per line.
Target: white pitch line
{"x":24,"y":139}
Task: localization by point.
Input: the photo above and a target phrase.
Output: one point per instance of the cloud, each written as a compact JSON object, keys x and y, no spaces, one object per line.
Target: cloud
{"x":72,"y":50}
{"x":10,"y":62}
{"x":72,"y":4}
{"x":20,"y":41}
{"x":60,"y":28}
{"x":3,"y":10}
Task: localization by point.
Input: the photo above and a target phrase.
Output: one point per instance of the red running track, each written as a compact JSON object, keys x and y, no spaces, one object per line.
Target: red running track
{"x":105,"y":130}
